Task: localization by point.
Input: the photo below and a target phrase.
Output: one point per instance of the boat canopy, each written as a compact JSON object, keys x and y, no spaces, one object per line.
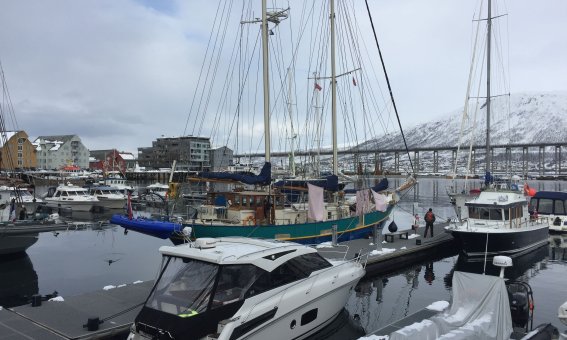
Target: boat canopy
{"x":554,"y":195}
{"x":264,"y":178}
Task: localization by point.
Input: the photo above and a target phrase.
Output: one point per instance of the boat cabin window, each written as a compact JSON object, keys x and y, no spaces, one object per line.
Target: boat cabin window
{"x":295,"y":269}
{"x":513,"y":213}
{"x":184,"y":288}
{"x":559,"y":207}
{"x":545,"y":206}
{"x":234,"y":281}
{"x":485,"y":213}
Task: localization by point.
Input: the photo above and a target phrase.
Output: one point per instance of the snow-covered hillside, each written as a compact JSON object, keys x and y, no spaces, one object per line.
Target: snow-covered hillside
{"x":530,"y":118}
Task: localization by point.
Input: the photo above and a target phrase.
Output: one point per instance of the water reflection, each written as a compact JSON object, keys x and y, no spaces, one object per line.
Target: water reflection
{"x":534,"y":260}
{"x":557,"y":247}
{"x":19,"y":280}
{"x":429,"y":275}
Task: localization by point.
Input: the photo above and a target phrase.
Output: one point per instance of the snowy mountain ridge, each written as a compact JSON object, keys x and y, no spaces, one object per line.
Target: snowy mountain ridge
{"x":522,"y":118}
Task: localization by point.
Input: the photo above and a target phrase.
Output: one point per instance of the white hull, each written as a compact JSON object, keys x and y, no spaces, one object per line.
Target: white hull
{"x":111,"y":203}
{"x":73,"y":205}
{"x":320,"y":298}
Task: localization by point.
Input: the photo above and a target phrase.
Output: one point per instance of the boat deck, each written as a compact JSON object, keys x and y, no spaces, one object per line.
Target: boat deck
{"x":385,"y":256}
{"x":65,"y":319}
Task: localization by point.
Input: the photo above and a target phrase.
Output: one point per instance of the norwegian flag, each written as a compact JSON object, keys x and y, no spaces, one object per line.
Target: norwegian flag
{"x":318,"y":87}
{"x":353,"y":81}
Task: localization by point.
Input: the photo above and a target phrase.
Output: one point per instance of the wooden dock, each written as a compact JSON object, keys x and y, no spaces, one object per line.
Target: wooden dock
{"x":117,"y":308}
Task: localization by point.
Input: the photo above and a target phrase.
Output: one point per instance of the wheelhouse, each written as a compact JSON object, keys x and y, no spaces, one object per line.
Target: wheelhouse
{"x":549,"y":203}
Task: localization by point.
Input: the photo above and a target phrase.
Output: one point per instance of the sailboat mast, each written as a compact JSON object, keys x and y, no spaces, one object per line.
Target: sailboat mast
{"x":488,"y":40}
{"x":290,"y":110}
{"x":266,"y":81}
{"x":334,"y":92}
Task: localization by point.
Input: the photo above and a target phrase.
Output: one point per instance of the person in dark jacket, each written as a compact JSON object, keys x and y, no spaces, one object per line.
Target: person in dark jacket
{"x":429,"y":219}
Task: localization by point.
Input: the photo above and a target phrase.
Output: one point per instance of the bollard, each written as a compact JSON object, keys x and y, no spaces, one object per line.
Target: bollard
{"x":417,"y":242}
{"x":36,"y":300}
{"x":334,"y":235}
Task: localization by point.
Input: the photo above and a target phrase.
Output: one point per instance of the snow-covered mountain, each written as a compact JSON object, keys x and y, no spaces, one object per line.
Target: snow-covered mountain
{"x":529,"y":118}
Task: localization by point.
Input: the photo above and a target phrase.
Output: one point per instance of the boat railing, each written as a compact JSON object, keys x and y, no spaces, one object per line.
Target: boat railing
{"x":325,"y":248}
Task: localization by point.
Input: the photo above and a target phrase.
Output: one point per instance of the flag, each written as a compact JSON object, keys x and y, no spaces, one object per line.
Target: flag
{"x":353,"y":81}
{"x":129,"y":206}
{"x":318,"y":87}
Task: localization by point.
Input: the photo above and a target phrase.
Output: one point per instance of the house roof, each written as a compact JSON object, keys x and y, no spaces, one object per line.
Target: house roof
{"x":8,"y":134}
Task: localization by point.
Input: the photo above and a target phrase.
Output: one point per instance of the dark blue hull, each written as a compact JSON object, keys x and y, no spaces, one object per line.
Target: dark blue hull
{"x":493,"y":243}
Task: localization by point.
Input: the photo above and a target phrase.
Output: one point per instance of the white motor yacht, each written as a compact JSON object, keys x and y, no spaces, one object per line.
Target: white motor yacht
{"x":69,"y":196}
{"x":109,"y":197}
{"x":243,"y":288}
{"x":22,"y":197}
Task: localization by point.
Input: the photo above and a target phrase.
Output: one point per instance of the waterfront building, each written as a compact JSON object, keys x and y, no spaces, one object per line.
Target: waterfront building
{"x":112,"y":160}
{"x":56,"y":152}
{"x":191,"y":153}
{"x":221,"y":158}
{"x":16,"y":151}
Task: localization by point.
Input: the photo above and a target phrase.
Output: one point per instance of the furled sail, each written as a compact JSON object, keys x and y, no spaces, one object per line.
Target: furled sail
{"x":264,"y":178}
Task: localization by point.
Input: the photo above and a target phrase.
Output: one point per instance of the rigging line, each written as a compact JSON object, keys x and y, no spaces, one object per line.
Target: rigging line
{"x":215,"y":69}
{"x":389,"y":87}
{"x":208,"y":80}
{"x":373,"y":99}
{"x":239,"y":100}
{"x":201,"y":71}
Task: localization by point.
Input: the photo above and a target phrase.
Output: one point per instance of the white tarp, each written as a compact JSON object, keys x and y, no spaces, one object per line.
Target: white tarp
{"x":363,"y":202}
{"x":480,"y":310}
{"x":380,"y":200}
{"x":316,"y":203}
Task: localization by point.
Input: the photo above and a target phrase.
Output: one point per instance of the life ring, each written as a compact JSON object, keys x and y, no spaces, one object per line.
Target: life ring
{"x":248,"y":220}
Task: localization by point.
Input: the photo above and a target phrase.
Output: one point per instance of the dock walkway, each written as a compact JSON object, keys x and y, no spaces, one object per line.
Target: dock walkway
{"x":65,"y":320}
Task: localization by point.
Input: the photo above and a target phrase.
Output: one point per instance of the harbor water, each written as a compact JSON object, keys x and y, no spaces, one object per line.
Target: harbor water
{"x":80,"y":260}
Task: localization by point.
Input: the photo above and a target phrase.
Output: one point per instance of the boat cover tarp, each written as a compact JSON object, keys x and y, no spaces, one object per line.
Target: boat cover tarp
{"x":264,"y":178}
{"x":554,"y":195}
{"x":330,"y":183}
{"x":480,"y":310}
{"x":381,"y":186}
{"x":157,"y":228}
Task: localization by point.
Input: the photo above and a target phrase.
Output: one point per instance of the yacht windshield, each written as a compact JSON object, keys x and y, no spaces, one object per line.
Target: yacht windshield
{"x":184,"y":288}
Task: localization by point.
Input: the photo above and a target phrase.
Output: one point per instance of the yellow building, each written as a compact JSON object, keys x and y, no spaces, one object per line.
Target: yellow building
{"x":16,"y":151}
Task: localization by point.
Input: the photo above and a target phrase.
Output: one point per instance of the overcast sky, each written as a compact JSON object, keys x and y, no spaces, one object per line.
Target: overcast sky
{"x":122,"y":73}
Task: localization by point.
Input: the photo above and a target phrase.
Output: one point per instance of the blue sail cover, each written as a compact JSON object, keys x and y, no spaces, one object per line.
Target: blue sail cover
{"x":382,"y":185}
{"x":264,"y":178}
{"x":330,"y":183}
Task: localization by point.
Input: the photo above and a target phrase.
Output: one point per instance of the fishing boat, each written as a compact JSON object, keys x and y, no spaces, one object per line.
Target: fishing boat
{"x":242,"y":288}
{"x":253,"y":206}
{"x":108,"y":197}
{"x":496,"y":221}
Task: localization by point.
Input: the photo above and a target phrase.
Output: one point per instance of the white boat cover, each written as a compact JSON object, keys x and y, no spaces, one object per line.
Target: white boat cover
{"x":480,"y":310}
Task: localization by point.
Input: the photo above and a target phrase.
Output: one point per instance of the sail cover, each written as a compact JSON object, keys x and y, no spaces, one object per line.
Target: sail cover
{"x":480,"y":310}
{"x":264,"y":178}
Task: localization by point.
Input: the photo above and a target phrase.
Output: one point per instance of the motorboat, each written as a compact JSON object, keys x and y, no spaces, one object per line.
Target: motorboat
{"x":109,"y":197}
{"x":69,"y":196}
{"x":244,"y":288}
{"x":116,"y":180}
{"x":551,"y":207}
{"x":498,"y":223}
{"x":22,"y":197}
{"x":156,"y":192}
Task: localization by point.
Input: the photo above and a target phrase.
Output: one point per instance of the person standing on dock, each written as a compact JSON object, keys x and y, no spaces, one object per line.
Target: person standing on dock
{"x":429,"y":219}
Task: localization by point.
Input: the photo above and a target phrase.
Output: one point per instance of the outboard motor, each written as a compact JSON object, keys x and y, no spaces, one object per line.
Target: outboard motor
{"x":519,"y":307}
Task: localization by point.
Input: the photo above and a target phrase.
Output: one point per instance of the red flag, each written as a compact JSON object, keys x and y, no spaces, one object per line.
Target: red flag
{"x":353,"y":81}
{"x":318,"y":87}
{"x":129,"y":205}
